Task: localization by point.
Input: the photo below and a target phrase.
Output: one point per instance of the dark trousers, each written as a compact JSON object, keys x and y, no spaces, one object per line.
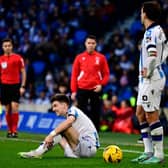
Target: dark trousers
{"x":90,"y":103}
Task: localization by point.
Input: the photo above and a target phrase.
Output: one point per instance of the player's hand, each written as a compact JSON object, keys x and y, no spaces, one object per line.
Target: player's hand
{"x":144,"y":72}
{"x":98,"y":88}
{"x":49,"y":142}
{"x":73,"y":96}
{"x":22,"y":90}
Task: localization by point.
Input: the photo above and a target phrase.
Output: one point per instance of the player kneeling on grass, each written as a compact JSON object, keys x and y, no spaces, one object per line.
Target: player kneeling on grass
{"x":76,"y":135}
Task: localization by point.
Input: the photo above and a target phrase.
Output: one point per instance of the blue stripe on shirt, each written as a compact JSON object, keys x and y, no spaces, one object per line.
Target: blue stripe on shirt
{"x":160,"y":72}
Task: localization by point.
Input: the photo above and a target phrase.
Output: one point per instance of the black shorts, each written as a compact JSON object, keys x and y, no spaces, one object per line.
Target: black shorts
{"x":10,"y":93}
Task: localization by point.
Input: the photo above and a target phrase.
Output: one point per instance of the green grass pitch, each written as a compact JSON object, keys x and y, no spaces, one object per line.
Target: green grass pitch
{"x":54,"y":158}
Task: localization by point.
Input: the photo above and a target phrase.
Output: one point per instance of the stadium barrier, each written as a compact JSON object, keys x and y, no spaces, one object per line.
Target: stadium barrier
{"x":34,"y":122}
{"x":34,"y":107}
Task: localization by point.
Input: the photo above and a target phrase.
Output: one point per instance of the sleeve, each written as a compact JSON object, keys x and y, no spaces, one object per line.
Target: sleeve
{"x":73,"y":112}
{"x":74,"y":75}
{"x":150,"y":43}
{"x":165,"y":51}
{"x":21,"y":62}
{"x":105,"y":71}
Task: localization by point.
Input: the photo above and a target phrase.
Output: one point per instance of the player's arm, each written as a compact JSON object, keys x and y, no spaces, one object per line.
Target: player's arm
{"x":74,"y":76}
{"x":151,"y":57}
{"x":23,"y":82}
{"x":150,"y":66}
{"x":23,"y":74}
{"x":60,"y":128}
{"x":105,"y":71}
{"x":64,"y":125}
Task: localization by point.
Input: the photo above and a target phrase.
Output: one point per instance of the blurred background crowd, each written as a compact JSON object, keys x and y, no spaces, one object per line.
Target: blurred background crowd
{"x":50,"y":33}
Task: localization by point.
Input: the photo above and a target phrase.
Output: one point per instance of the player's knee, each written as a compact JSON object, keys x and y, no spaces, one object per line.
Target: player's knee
{"x":90,"y":152}
{"x":151,"y":117}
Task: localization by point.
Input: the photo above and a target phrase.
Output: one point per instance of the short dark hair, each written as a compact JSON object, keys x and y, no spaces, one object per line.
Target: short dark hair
{"x":7,"y":40}
{"x":61,"y":98}
{"x":91,"y":37}
{"x":152,"y":10}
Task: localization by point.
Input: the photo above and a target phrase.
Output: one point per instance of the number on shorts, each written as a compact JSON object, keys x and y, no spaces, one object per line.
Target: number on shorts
{"x":144,"y":98}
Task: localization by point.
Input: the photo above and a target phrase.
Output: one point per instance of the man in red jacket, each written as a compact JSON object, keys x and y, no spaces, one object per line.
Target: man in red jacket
{"x":90,"y":72}
{"x":11,"y":67}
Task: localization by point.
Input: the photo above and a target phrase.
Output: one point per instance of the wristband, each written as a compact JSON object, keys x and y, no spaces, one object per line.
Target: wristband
{"x":53,"y":133}
{"x":23,"y":86}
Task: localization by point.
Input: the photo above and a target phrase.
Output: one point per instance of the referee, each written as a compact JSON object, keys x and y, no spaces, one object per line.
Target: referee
{"x":13,"y":79}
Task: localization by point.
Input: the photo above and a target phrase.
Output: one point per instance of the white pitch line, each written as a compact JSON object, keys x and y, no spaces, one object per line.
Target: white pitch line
{"x":37,"y":141}
{"x":133,"y":151}
{"x":130,"y":151}
{"x":20,"y":140}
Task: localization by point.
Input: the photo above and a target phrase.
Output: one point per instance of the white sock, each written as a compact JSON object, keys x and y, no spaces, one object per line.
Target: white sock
{"x":157,"y":139}
{"x":68,"y":152}
{"x":148,"y":147}
{"x":42,"y":148}
{"x":57,"y":139}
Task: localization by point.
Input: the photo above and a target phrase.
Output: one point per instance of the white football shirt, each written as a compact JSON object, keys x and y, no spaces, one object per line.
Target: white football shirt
{"x":152,"y":45}
{"x":83,"y":124}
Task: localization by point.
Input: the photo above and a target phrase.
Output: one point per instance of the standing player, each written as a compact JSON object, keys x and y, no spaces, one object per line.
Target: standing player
{"x":90,"y":73}
{"x":76,"y":134}
{"x":151,"y":83}
{"x":11,"y":67}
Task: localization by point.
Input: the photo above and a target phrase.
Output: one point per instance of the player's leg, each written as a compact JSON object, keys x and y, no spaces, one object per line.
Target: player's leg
{"x":71,"y":135}
{"x":86,"y":147}
{"x":5,"y":100}
{"x":157,"y":137}
{"x":151,"y":106}
{"x":41,"y":149}
{"x":144,"y":126}
{"x":8,"y":116}
{"x":15,"y":118}
{"x":81,"y":145}
{"x":14,"y":97}
{"x":82,"y":100}
{"x":95,"y":111}
{"x":145,"y":133}
{"x":68,"y":152}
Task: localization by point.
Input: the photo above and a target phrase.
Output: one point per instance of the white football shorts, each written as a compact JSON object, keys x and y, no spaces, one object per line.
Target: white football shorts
{"x":86,"y":147}
{"x":149,"y":94}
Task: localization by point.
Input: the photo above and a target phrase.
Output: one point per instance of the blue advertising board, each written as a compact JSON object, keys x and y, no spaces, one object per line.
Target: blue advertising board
{"x":34,"y":122}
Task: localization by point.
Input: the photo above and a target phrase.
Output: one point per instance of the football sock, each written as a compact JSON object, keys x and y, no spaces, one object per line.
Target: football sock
{"x":9,"y":121}
{"x":148,"y":147}
{"x":42,"y":148}
{"x":157,"y":139}
{"x":68,"y":152}
{"x":15,"y":119}
{"x":57,"y":139}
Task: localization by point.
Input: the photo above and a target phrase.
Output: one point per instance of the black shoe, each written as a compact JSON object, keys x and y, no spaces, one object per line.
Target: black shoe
{"x":9,"y":135}
{"x":14,"y":135}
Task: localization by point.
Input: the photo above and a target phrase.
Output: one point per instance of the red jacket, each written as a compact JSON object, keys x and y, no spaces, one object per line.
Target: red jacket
{"x":89,"y":70}
{"x":10,"y":68}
